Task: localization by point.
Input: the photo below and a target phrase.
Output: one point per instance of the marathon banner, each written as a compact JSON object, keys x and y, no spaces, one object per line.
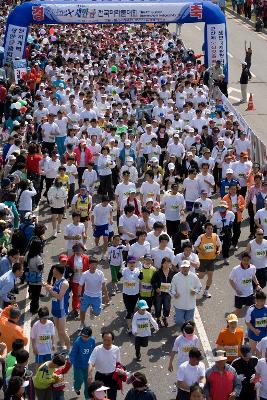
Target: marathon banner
{"x":16,"y":37}
{"x":119,"y":12}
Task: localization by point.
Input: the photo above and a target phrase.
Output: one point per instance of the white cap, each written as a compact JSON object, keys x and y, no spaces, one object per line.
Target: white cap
{"x":171,"y":165}
{"x":229,"y":171}
{"x":154,"y":159}
{"x":185,"y":264}
{"x":127,"y":142}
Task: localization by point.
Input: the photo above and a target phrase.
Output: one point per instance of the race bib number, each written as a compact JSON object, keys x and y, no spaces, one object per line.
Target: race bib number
{"x":143,"y":326}
{"x":186,"y":349}
{"x":174,"y":207}
{"x":128,"y":284}
{"x":44,"y":339}
{"x":231,"y":351}
{"x":165,"y":287}
{"x":241,"y":175}
{"x":208,"y":247}
{"x":246,"y":281}
{"x":260,"y":253}
{"x":261,"y":322}
{"x":226,"y":189}
{"x":146,"y":287}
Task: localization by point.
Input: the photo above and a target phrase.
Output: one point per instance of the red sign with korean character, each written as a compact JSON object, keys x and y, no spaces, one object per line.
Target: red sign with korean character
{"x":196,"y":11}
{"x":38,"y":13}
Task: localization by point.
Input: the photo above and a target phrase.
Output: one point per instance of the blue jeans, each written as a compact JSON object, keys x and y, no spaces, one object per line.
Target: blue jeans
{"x":80,"y":376}
{"x":60,"y":145}
{"x":182,"y":316}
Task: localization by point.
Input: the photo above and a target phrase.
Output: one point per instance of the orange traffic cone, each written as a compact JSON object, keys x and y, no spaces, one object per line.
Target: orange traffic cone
{"x":250,"y":103}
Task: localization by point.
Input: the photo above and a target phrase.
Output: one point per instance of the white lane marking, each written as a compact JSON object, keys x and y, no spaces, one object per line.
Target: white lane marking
{"x":230,"y":55}
{"x":253,"y":75}
{"x":203,"y":338}
{"x":197,"y":27}
{"x":234,"y":98}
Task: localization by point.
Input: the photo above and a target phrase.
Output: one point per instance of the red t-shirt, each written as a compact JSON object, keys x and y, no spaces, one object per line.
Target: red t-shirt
{"x":32,"y":163}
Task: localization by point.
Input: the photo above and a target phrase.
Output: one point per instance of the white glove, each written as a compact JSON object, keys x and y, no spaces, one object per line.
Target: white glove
{"x":201,"y":384}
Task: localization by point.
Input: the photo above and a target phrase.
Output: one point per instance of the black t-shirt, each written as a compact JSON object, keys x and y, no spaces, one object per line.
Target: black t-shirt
{"x":248,"y":369}
{"x":146,"y":394}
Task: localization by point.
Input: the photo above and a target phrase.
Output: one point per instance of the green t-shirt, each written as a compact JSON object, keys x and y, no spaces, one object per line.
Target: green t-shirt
{"x":43,"y":378}
{"x":10,"y":360}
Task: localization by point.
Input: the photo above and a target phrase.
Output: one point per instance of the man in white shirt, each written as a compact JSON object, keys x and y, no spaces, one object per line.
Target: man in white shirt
{"x":123,"y":189}
{"x":190,"y":372}
{"x":261,"y":218}
{"x":158,"y":253}
{"x":185,"y":286}
{"x":205,"y":179}
{"x":75,"y":232}
{"x":128,"y":224}
{"x":176,"y":148}
{"x":101,"y":218}
{"x":140,"y":248}
{"x":92,"y":283}
{"x":261,"y":376}
{"x":153,"y":236}
{"x":49,"y":132}
{"x":174,"y":206}
{"x":149,"y":189}
{"x":104,"y":359}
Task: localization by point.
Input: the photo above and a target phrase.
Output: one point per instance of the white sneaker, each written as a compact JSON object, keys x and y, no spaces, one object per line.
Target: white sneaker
{"x":207,"y":294}
{"x":81,"y":326}
{"x":58,"y":229}
{"x":226,"y":261}
{"x":55,"y":234}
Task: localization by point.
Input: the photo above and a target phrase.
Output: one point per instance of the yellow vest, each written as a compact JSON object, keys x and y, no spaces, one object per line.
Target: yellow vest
{"x":83,"y":206}
{"x":209,"y":246}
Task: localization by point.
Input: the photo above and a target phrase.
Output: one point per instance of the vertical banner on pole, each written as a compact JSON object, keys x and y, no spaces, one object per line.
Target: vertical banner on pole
{"x":216,"y":47}
{"x":15,"y":42}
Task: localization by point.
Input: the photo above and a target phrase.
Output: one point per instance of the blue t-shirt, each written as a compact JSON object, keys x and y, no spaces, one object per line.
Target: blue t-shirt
{"x":81,"y":352}
{"x":258,"y":318}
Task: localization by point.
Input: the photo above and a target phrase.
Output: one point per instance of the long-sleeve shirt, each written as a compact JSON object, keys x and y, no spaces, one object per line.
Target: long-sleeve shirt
{"x":183,"y":285}
{"x":141,"y":324}
{"x":219,"y":386}
{"x":81,"y":352}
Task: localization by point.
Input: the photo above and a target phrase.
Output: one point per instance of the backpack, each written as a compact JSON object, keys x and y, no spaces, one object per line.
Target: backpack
{"x":19,"y":240}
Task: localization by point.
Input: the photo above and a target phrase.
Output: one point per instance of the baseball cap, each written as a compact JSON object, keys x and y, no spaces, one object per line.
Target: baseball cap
{"x":83,"y":187}
{"x":131,"y":259}
{"x":63,"y":257}
{"x":102,"y":387}
{"x":154,"y":160}
{"x":156,"y":204}
{"x":87,"y":332}
{"x":185,"y":264}
{"x":147,"y":256}
{"x":142,"y":304}
{"x":229,"y":171}
{"x":127,"y":142}
{"x":204,"y":191}
{"x":231,"y":318}
{"x":29,"y":215}
{"x":149,"y":200}
{"x":171,"y":166}
{"x":5,"y":182}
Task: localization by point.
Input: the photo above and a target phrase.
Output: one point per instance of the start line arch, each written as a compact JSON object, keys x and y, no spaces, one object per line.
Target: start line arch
{"x":118,"y":12}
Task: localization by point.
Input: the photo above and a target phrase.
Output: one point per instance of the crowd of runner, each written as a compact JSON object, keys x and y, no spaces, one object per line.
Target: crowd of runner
{"x":121,"y":130}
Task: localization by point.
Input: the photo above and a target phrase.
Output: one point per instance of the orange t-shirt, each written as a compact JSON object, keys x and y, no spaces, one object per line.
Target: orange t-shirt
{"x":231,"y":342}
{"x":10,"y":331}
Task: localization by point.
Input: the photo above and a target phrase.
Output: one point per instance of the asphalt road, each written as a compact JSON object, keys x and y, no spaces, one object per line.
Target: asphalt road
{"x":211,"y":311}
{"x":239,"y":32}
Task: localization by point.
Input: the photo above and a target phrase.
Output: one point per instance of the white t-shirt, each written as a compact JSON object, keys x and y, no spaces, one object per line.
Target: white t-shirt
{"x":139,"y":250}
{"x":71,"y":169}
{"x":158,"y":254}
{"x":154,"y":240}
{"x":62,"y":126}
{"x":203,"y":185}
{"x":190,"y":374}
{"x":130,"y":224}
{"x":141,"y":324}
{"x":240,"y":170}
{"x":48,"y":132}
{"x":122,"y":190}
{"x":192,"y":189}
{"x":92,"y":283}
{"x":102,"y":214}
{"x":173,"y":204}
{"x":182,"y":346}
{"x":262,"y":346}
{"x":179,"y":258}
{"x":261,"y":369}
{"x":262,"y":216}
{"x":43,"y":333}
{"x":131,"y":282}
{"x":105,"y":360}
{"x":74,"y":230}
{"x":243,"y":279}
{"x":89,"y":178}
{"x":150,"y":190}
{"x":78,"y":269}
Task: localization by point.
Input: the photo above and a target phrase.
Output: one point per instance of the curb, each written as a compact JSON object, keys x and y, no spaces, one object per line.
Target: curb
{"x":246,"y":21}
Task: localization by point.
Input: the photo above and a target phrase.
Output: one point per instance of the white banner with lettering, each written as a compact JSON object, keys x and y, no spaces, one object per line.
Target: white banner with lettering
{"x":15,"y":42}
{"x":216,"y":43}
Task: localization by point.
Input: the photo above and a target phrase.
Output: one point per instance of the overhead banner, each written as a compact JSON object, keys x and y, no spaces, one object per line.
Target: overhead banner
{"x":118,"y":12}
{"x":109,"y":13}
